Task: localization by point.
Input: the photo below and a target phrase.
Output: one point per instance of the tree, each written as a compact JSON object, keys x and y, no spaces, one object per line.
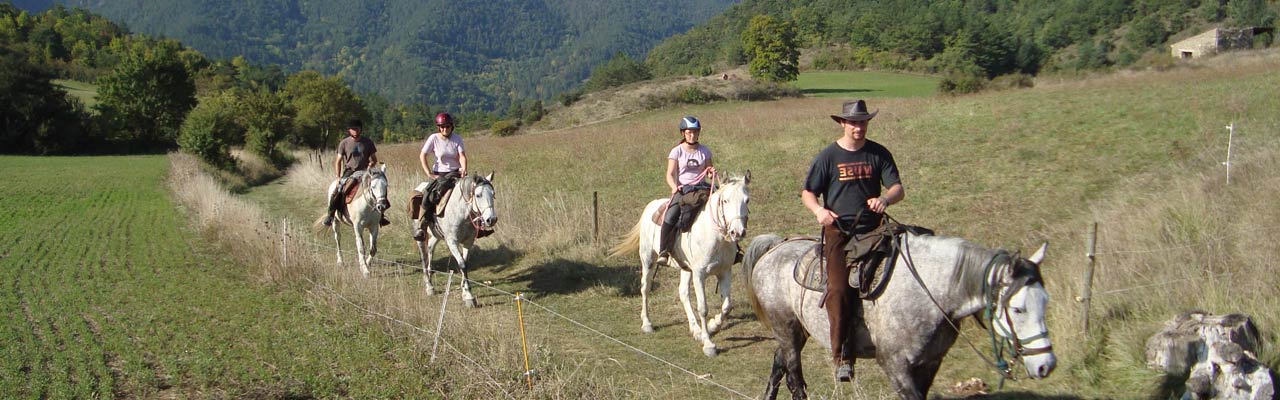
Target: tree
{"x":770,"y":44}
{"x":269,"y":119}
{"x":324,"y":105}
{"x":146,"y":96}
{"x":36,"y":117}
{"x":208,"y":131}
{"x":618,"y":71}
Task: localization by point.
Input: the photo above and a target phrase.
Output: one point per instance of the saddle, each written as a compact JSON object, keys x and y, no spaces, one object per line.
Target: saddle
{"x":691,"y":204}
{"x":419,"y":194}
{"x":350,"y":189}
{"x":865,"y":256}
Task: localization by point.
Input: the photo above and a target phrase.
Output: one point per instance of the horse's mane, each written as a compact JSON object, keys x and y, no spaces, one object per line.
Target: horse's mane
{"x":972,"y":263}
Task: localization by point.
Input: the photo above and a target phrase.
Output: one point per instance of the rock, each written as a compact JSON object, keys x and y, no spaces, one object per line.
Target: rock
{"x":1215,"y":353}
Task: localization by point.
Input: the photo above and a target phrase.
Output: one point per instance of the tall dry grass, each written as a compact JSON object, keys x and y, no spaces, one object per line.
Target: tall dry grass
{"x":1137,"y":152}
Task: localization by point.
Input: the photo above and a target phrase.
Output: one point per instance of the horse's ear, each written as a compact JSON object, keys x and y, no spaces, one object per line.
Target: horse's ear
{"x":746,"y":179}
{"x":384,"y":168}
{"x":489,"y":177}
{"x":1039,"y":256}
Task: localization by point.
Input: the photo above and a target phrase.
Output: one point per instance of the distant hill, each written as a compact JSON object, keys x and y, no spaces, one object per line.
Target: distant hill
{"x":978,"y":38}
{"x":470,"y":54}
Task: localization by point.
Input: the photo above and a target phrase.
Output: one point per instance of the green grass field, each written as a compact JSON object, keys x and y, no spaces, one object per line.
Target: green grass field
{"x":107,"y":294}
{"x":87,"y":93}
{"x":865,"y":84}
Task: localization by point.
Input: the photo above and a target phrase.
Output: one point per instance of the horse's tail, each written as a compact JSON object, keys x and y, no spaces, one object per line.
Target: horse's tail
{"x":759,"y":245}
{"x":630,"y":243}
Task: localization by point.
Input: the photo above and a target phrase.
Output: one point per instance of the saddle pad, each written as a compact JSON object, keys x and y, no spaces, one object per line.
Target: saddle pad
{"x":444,"y":201}
{"x":808,"y":271}
{"x":662,"y":211}
{"x":353,"y":187}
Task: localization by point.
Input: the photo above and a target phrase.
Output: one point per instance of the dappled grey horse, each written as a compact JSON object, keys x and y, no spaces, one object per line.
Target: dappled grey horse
{"x":469,"y":208}
{"x":906,"y":332}
{"x":363,"y":214}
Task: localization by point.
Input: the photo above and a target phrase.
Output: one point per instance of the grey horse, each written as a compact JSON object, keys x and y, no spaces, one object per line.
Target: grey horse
{"x":905,"y":331}
{"x":469,"y":208}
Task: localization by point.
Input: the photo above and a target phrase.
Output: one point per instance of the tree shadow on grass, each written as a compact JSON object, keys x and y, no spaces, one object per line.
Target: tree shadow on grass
{"x":561,"y":276}
{"x":494,"y":260}
{"x":1003,"y":395}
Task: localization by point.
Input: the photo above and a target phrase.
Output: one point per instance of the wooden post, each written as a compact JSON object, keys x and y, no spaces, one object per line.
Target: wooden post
{"x":524,"y":342}
{"x":1086,"y":293}
{"x":595,"y":216}
{"x":284,"y":247}
{"x":1231,"y":134}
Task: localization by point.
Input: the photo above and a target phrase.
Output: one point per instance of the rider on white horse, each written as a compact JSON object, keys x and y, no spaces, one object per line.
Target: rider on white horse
{"x":355,"y":154}
{"x":687,"y":164}
{"x":848,"y":175}
{"x":449,"y":163}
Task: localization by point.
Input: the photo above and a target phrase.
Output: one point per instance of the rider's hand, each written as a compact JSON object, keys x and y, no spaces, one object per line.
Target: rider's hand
{"x":877,"y":205}
{"x":825,"y":217}
{"x":463,"y":171}
{"x":675,"y":189}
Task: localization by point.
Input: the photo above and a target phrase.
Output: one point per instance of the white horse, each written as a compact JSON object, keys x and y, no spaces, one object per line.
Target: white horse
{"x":469,"y":208}
{"x":934,"y":280}
{"x":364,"y":212}
{"x":709,"y":248}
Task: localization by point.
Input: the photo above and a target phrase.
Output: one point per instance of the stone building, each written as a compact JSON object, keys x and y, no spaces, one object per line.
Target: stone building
{"x":1215,"y":40}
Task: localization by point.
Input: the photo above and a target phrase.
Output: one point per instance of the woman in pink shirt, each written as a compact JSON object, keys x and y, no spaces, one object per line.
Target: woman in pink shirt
{"x":688,"y":164}
{"x":449,"y":162}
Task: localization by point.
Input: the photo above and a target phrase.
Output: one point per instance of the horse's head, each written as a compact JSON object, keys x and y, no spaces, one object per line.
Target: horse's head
{"x":731,"y":202}
{"x":1019,"y":314}
{"x":482,"y":201}
{"x":377,"y":187}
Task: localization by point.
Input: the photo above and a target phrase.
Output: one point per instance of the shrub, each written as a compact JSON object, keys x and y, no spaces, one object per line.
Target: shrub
{"x":1013,"y":81}
{"x":206,"y":133}
{"x":695,"y":95}
{"x":961,"y":84}
{"x":506,"y":127}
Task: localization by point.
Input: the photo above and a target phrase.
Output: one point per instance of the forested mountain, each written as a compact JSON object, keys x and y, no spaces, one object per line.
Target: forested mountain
{"x":470,"y":54}
{"x":984,"y":38}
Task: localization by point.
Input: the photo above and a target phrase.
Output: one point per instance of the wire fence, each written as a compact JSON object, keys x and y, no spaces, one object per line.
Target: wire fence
{"x":400,"y":266}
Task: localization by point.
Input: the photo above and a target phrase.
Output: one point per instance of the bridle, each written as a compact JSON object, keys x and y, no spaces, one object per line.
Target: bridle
{"x":474,"y":213}
{"x":992,"y":272}
{"x":370,"y":196}
{"x":718,"y":219}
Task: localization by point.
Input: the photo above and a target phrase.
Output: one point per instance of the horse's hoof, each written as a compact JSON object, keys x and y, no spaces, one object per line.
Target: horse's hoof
{"x":647,"y":328}
{"x":710,"y":351}
{"x":713,"y":327}
{"x":471,"y":303}
{"x":431,"y":291}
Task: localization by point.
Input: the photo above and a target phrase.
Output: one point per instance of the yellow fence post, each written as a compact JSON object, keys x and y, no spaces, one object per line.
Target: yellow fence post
{"x":524,"y":343}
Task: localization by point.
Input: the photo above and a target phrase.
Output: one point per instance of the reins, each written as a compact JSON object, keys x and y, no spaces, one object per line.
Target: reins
{"x":989,"y":302}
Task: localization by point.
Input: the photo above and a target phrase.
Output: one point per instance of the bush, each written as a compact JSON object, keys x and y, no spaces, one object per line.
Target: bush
{"x":695,"y":95}
{"x":962,"y":84}
{"x":1013,"y":81}
{"x":568,"y":98}
{"x":206,"y":133}
{"x":506,"y":127}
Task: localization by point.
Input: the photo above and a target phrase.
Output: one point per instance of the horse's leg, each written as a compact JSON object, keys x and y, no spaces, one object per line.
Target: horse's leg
{"x":901,"y":378}
{"x":795,"y":374}
{"x":700,"y":294}
{"x":427,"y":251}
{"x":337,"y":244}
{"x":683,"y":293}
{"x":646,"y":278}
{"x":456,"y":249}
{"x":775,"y":374}
{"x":360,"y":252}
{"x":724,"y":285}
{"x":373,"y":244}
{"x":924,"y":374}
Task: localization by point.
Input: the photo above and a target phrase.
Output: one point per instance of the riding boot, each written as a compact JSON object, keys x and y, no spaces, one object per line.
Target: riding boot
{"x":335,"y":204}
{"x":666,"y":240}
{"x":419,"y":230}
{"x":384,"y":221}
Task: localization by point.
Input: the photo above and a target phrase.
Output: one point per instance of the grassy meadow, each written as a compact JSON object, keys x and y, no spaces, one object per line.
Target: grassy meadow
{"x":87,"y":93}
{"x":119,"y":289}
{"x":865,"y":84}
{"x":108,"y":294}
{"x":1137,"y":152}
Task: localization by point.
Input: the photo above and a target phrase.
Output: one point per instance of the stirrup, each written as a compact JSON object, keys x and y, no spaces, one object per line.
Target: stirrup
{"x":844,"y":372}
{"x":328,"y":220}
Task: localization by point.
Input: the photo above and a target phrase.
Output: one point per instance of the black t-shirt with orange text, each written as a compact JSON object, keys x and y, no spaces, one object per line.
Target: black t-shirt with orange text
{"x":846,"y":179}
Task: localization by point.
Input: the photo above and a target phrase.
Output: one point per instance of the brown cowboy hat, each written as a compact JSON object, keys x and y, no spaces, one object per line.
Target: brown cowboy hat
{"x":855,"y":111}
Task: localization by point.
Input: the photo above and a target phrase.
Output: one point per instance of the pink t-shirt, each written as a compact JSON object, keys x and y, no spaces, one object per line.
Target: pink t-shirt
{"x":689,"y":164}
{"x":445,"y":151}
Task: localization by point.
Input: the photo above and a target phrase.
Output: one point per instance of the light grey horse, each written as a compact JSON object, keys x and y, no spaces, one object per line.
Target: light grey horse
{"x":707,"y":249}
{"x":906,"y":332}
{"x":364,"y":213}
{"x":469,"y":208}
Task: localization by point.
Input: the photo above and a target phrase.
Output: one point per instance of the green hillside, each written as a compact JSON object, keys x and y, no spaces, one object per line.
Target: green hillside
{"x":980,"y":38}
{"x":474,"y":54}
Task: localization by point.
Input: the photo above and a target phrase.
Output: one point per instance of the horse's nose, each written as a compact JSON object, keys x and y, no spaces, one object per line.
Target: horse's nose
{"x":1047,"y":368}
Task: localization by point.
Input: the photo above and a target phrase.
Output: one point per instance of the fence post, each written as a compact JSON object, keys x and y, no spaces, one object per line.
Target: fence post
{"x":595,"y":216}
{"x":284,"y":247}
{"x":1086,"y":293}
{"x":524,"y":343}
{"x":444,"y":303}
{"x":1231,"y":134}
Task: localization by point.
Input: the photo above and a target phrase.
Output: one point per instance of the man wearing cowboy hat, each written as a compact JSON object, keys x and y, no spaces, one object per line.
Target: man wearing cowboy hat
{"x":848,"y":175}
